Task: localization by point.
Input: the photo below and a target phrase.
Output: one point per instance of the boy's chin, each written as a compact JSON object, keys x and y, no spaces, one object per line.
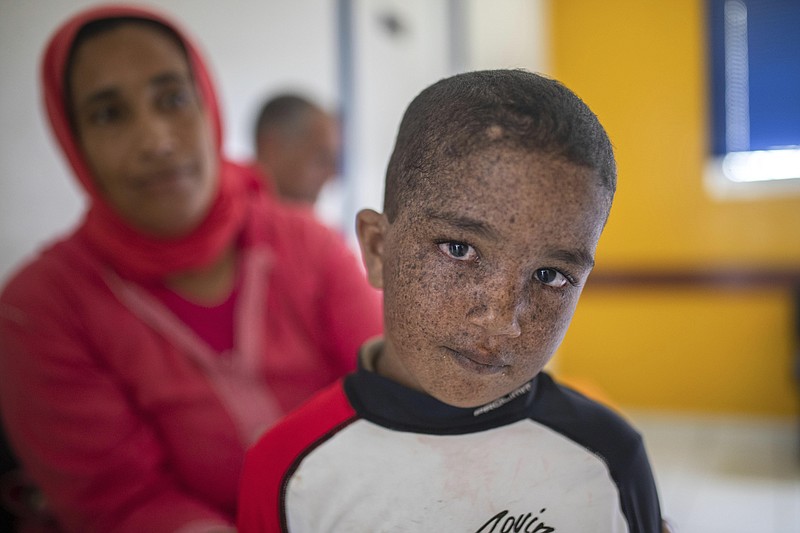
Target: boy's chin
{"x":474,"y":401}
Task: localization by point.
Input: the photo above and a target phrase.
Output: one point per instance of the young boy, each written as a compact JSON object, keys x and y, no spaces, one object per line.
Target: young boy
{"x":496,"y":194}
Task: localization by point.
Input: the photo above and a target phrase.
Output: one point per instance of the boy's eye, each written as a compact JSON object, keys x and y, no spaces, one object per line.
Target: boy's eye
{"x":458,"y":250}
{"x":551,"y":277}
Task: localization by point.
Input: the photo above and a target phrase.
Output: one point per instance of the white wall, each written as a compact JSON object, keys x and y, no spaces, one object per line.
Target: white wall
{"x":390,"y":69}
{"x":508,"y":34}
{"x":255,"y":47}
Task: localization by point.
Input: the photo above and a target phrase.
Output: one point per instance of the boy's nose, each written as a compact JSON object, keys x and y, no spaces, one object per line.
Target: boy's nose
{"x":498,"y":315}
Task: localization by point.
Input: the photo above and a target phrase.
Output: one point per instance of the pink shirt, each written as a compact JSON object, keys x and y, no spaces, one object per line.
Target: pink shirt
{"x":213,"y":324}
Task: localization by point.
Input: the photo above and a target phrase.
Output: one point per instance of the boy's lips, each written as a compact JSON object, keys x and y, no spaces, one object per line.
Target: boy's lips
{"x":478,"y":361}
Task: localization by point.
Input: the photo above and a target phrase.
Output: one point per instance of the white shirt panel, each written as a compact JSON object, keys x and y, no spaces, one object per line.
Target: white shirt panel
{"x":522,"y":477}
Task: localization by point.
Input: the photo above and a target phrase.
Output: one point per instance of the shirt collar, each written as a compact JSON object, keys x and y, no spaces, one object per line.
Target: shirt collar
{"x":396,"y":406}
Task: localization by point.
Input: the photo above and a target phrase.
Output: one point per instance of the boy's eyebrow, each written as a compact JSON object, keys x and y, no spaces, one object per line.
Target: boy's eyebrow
{"x":579,"y":257}
{"x":465,"y":223}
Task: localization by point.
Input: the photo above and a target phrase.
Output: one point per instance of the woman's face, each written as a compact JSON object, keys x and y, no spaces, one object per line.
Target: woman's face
{"x":143,"y":129}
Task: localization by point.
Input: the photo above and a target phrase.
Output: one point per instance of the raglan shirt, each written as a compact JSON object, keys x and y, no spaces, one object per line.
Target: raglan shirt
{"x":370,"y":455}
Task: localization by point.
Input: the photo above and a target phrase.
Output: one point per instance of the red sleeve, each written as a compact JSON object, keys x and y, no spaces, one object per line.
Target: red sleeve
{"x":271,"y":461}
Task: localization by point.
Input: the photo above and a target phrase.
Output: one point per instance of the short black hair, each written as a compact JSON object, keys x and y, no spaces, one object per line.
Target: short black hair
{"x":501,"y":109}
{"x":284,"y":112}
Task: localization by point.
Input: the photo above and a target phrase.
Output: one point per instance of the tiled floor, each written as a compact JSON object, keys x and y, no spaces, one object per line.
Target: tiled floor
{"x":725,"y":474}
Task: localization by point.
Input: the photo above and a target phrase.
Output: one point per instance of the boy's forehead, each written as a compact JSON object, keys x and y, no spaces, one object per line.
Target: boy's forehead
{"x":508,"y":186}
{"x":499,"y":174}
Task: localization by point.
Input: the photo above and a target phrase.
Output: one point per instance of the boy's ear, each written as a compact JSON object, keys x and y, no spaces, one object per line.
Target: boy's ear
{"x":371,"y":229}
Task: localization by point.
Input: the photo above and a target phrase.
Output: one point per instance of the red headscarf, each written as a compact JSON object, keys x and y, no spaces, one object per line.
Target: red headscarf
{"x":133,"y":253}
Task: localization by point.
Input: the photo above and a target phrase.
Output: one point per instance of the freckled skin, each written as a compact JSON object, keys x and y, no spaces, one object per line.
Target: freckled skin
{"x":468,"y":330}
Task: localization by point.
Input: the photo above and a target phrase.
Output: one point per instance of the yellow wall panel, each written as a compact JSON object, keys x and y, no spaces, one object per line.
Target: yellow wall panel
{"x":641,"y":66}
{"x":685,"y":349}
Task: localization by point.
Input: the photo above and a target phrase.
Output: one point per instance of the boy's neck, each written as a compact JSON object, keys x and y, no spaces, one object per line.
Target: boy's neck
{"x":371,"y":352}
{"x":377,"y":357}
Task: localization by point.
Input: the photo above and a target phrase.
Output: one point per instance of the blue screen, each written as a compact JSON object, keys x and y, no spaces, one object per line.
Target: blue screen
{"x":755,"y":74}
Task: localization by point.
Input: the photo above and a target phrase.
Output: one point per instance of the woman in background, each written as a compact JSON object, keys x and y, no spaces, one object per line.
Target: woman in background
{"x":142,"y":354}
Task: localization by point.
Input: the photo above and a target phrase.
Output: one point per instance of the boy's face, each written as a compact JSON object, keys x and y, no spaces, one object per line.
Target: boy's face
{"x":482,"y":271}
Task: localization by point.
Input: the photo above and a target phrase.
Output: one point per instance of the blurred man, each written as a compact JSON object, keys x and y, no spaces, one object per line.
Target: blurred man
{"x":297,"y":147}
